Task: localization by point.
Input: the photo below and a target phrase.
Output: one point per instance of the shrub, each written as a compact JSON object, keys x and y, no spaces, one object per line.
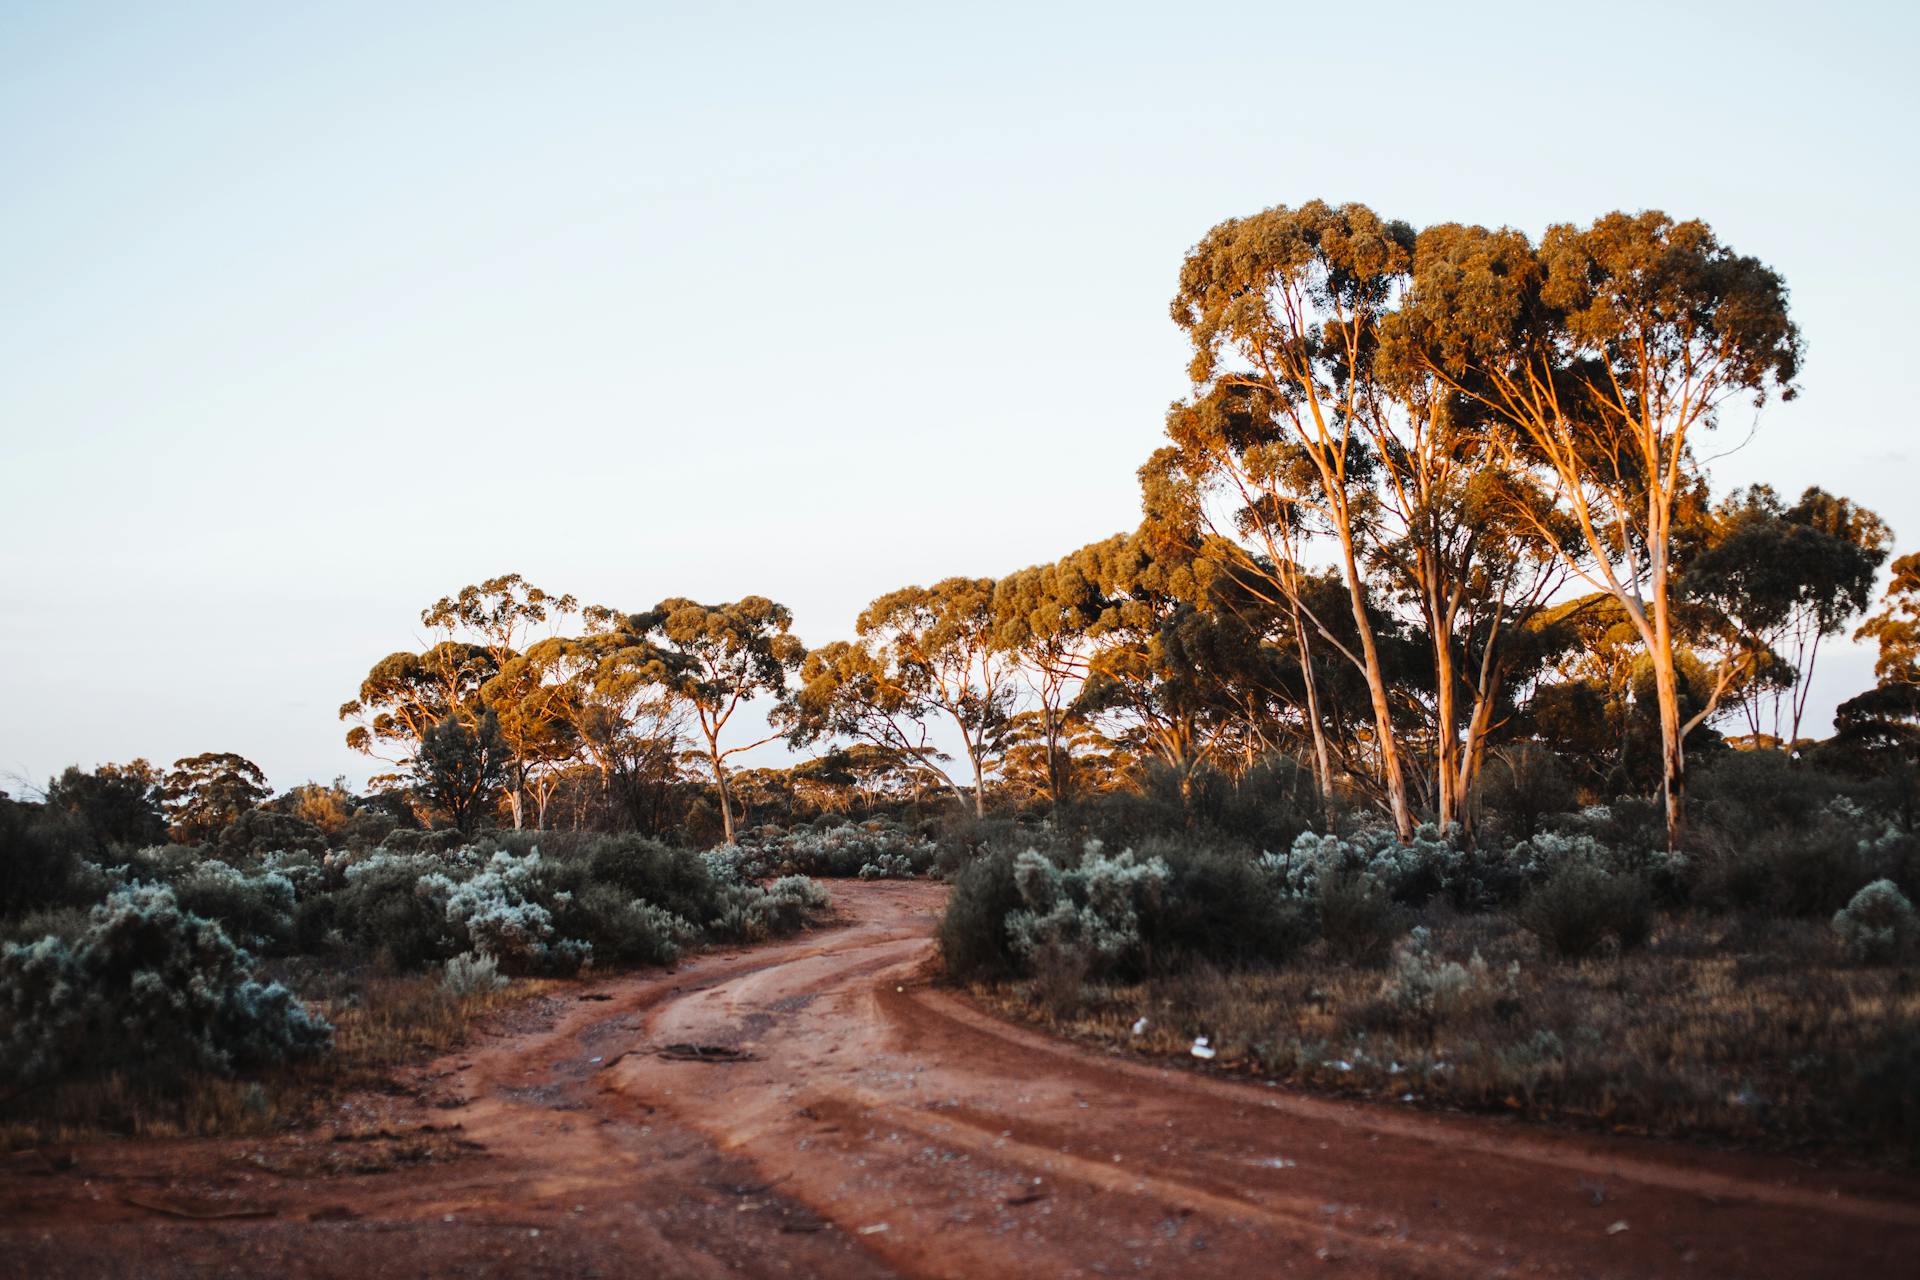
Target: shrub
{"x":40,"y":856}
{"x":1740,"y":794}
{"x":623,"y":929}
{"x":1581,"y":905}
{"x":255,"y":910}
{"x":888,"y":866}
{"x":1358,"y":918}
{"x":149,"y":987}
{"x":1090,"y":910}
{"x":678,"y":880}
{"x":1409,"y":873}
{"x":1221,"y":907}
{"x":1087,"y":908}
{"x":1878,"y":925}
{"x":973,"y":939}
{"x":383,"y":910}
{"x":1523,"y":786}
{"x":500,"y":912}
{"x":754,"y":913}
{"x":264,"y":830}
{"x":1807,"y":870}
{"x":831,"y":851}
{"x":468,"y":974}
{"x":1426,"y":990}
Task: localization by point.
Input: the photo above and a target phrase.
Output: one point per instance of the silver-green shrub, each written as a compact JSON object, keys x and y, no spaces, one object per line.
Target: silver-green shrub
{"x":1089,"y":910}
{"x":1423,"y":987}
{"x":1878,"y":926}
{"x":149,"y":988}
{"x":468,"y":974}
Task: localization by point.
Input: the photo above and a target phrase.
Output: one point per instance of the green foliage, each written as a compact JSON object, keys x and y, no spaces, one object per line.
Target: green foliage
{"x":1878,"y":925}
{"x":265,"y":831}
{"x":1090,"y":909}
{"x":870,"y":850}
{"x":1358,"y":916}
{"x":1425,"y":990}
{"x":257,"y":911}
{"x":381,"y":910}
{"x":149,"y":988}
{"x":461,"y":768}
{"x":41,"y":853}
{"x":622,"y":929}
{"x":1581,"y":906}
{"x":118,"y":805}
{"x":973,"y":938}
{"x":1221,"y":908}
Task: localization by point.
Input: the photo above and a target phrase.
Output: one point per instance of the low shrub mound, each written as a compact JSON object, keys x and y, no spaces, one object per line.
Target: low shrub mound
{"x":876,"y":850}
{"x":149,"y":987}
{"x":1878,"y":926}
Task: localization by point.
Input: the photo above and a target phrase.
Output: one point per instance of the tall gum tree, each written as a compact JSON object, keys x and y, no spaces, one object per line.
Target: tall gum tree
{"x":716,"y":659}
{"x":502,"y":613}
{"x":851,"y":690}
{"x":405,"y":694}
{"x":1287,"y":303}
{"x":936,"y":646}
{"x":1772,"y":582}
{"x":1040,"y":622}
{"x":1604,"y":353}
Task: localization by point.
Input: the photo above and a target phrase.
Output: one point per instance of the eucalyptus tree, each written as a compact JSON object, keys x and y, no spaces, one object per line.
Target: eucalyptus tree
{"x":624,"y":721}
{"x":1604,"y":353}
{"x":923,"y":654}
{"x":849,"y":690}
{"x":116,"y":804}
{"x":1772,"y":582}
{"x":715,"y":659}
{"x":203,"y":794}
{"x":405,"y":694}
{"x":1041,"y":616}
{"x":1283,"y":309}
{"x":536,"y":717}
{"x":1896,"y":627}
{"x":1166,"y":670}
{"x":501,"y":615}
{"x":1886,"y":718}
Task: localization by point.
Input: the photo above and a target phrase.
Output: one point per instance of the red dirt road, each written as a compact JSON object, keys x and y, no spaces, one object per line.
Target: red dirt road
{"x":878,"y":1126}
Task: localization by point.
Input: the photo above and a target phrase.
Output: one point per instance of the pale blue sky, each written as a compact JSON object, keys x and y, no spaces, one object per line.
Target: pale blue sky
{"x":314,"y":313}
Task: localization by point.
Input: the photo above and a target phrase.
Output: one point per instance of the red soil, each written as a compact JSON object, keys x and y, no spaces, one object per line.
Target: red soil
{"x":873,"y":1125}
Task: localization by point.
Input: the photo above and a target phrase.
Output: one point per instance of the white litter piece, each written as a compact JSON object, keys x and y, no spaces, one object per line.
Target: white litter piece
{"x":1140,"y":1027}
{"x":873,"y":1230}
{"x":1617,"y":1227}
{"x":1275,"y":1162}
{"x":1202,"y":1049}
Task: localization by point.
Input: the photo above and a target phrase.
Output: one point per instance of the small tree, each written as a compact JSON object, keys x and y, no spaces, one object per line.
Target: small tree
{"x":118,"y":804}
{"x":204,"y":794}
{"x":460,"y":769}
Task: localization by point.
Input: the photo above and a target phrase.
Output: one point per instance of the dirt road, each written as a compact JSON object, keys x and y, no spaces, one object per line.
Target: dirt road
{"x":830,"y":1113}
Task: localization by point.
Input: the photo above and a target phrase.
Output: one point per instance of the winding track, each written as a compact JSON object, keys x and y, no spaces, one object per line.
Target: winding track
{"x":880,"y":1126}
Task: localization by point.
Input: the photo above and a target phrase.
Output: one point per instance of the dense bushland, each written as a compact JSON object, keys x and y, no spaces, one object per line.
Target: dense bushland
{"x":134,"y":985}
{"x":1762,"y":984}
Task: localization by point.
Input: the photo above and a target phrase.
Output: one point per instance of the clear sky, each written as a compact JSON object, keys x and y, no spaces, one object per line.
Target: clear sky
{"x":314,"y":313}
